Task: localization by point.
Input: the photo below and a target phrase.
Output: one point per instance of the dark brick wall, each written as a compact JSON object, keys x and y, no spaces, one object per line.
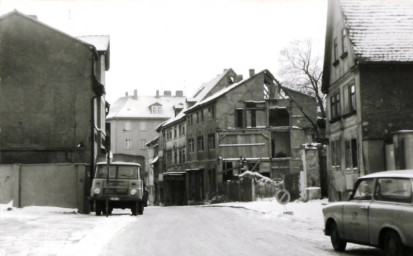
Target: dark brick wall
{"x":45,"y":94}
{"x":386,"y":99}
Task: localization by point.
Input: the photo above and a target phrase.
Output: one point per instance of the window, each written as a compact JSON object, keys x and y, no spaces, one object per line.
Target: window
{"x":143,"y":142}
{"x":200,"y":143}
{"x":175,"y":133}
{"x":353,"y":98}
{"x":191,"y":146}
{"x":279,"y":117}
{"x":128,"y":144}
{"x":169,"y":134}
{"x":128,"y":126}
{"x":175,"y":154}
{"x":156,"y":109}
{"x":335,"y":53}
{"x":344,"y":42}
{"x":181,"y":130}
{"x":190,"y":119}
{"x":211,"y":112}
{"x":394,"y":190}
{"x":335,"y":152}
{"x":349,"y":99}
{"x":211,"y":141}
{"x":364,"y":190}
{"x":351,"y":154}
{"x":169,"y":157}
{"x":335,"y":106}
{"x":239,"y":118}
{"x":142,"y":126}
{"x":181,"y":153}
{"x":201,"y":114}
{"x":255,"y":115}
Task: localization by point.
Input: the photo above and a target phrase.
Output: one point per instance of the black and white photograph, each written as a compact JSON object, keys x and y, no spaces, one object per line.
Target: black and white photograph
{"x":206,"y":127}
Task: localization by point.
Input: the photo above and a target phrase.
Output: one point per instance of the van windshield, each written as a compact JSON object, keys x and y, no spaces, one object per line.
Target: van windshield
{"x":118,"y":172}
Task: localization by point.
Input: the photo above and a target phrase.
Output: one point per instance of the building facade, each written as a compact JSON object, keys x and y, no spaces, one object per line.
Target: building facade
{"x":367,"y":77}
{"x":250,"y":124}
{"x":133,"y":121}
{"x":52,"y":107}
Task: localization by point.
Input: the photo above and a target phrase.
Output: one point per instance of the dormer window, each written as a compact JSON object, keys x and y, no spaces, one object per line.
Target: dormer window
{"x":156,"y":109}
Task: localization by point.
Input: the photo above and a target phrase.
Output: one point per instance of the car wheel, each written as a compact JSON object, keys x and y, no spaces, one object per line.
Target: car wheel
{"x":135,"y":209}
{"x":140,"y":208}
{"x":98,"y":209}
{"x":392,"y":244}
{"x":338,"y":243}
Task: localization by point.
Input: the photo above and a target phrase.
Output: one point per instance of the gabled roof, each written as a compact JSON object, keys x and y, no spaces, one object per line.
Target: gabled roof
{"x":205,"y":88}
{"x":217,"y":94}
{"x":199,"y":95}
{"x":36,"y":21}
{"x":131,"y":107}
{"x":380,"y":30}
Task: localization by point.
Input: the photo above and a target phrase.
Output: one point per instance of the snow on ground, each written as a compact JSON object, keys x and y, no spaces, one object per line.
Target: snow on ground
{"x":42,"y":231}
{"x":305,"y":217}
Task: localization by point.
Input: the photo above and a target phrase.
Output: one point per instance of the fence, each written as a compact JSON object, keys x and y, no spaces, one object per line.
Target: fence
{"x":249,"y":186}
{"x":60,"y":185}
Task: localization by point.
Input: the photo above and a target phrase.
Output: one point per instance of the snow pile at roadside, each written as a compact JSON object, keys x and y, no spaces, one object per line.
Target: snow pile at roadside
{"x":301,"y":213}
{"x":44,"y":230}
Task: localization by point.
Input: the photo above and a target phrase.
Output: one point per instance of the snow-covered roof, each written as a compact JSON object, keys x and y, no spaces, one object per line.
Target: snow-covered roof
{"x":216,"y":95}
{"x":198,"y":96}
{"x":205,"y":88}
{"x":100,"y":42}
{"x":139,"y":107}
{"x":179,"y":116}
{"x":380,"y":30}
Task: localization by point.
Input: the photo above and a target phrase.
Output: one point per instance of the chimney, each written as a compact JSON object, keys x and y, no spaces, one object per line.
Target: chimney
{"x":239,"y":78}
{"x":126,"y":94}
{"x":135,"y":94}
{"x":179,"y":93}
{"x":167,"y":93}
{"x":157,"y":94}
{"x":252,"y":72}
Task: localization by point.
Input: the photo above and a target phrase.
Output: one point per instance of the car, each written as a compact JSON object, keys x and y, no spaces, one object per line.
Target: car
{"x":379,"y":213}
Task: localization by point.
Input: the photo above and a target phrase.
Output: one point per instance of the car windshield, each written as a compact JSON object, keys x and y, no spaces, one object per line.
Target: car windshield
{"x":364,"y":190}
{"x":119,"y":171}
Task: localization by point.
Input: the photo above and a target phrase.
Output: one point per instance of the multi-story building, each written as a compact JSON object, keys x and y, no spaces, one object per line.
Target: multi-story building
{"x":52,"y":107}
{"x":252,"y":124}
{"x":173,"y":150}
{"x":367,"y":79}
{"x":133,"y":121}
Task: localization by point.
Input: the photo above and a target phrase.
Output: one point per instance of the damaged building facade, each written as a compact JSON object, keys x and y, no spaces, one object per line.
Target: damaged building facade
{"x":234,"y":125}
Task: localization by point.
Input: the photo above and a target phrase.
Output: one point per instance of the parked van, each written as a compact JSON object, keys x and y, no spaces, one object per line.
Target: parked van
{"x":121,"y":185}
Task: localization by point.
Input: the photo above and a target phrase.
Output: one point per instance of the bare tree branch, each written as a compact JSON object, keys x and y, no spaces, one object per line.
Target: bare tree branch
{"x":301,"y":70}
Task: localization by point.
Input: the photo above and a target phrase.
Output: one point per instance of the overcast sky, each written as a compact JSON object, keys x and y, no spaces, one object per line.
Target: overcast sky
{"x":180,"y":44}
